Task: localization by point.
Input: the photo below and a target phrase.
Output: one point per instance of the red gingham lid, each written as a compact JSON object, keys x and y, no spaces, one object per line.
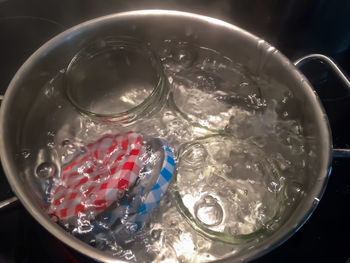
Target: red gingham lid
{"x":99,"y":177}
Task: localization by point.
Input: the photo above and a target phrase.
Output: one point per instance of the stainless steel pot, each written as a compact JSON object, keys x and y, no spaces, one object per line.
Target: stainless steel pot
{"x":154,"y":26}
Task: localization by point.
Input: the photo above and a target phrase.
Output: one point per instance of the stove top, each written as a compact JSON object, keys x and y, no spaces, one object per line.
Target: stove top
{"x":295,"y":29}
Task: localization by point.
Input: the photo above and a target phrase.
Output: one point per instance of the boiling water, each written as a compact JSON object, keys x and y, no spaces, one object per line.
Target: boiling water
{"x":240,"y":158}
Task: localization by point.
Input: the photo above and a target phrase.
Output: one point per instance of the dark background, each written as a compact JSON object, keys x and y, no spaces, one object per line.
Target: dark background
{"x":296,"y":28}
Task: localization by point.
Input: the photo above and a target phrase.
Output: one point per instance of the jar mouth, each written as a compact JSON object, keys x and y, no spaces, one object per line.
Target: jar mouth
{"x":208,"y":86}
{"x":189,"y":203}
{"x":115,"y":79}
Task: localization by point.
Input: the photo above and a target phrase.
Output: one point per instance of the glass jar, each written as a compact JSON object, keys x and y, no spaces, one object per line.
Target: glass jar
{"x":116,"y":79}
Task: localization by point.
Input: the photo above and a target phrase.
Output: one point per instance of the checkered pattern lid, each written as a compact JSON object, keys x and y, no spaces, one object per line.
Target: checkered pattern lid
{"x":135,"y":210}
{"x":99,"y":177}
{"x":153,"y":198}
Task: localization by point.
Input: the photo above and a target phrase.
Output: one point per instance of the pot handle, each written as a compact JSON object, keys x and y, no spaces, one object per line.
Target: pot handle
{"x":337,"y":153}
{"x":12,"y":200}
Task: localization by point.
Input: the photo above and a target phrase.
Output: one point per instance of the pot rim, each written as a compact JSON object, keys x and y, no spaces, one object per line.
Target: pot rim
{"x":17,"y":185}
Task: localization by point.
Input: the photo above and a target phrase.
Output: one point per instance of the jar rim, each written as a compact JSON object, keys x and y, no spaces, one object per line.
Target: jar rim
{"x":200,"y":227}
{"x":127,"y":43}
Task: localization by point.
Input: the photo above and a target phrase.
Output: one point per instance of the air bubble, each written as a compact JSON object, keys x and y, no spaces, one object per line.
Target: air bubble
{"x":46,"y":170}
{"x":156,"y":233}
{"x":66,"y":143}
{"x":184,"y":57}
{"x":51,"y":133}
{"x":294,"y":191}
{"x":195,"y":155}
{"x":209,"y":211}
{"x":25,"y":154}
{"x":51,"y":145}
{"x":48,"y":92}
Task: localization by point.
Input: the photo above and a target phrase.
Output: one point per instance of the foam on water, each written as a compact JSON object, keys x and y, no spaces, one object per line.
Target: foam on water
{"x":240,"y":158}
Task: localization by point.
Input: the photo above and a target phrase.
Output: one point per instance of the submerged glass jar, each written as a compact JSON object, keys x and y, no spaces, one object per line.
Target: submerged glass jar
{"x":227,"y":189}
{"x":117,"y":79}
